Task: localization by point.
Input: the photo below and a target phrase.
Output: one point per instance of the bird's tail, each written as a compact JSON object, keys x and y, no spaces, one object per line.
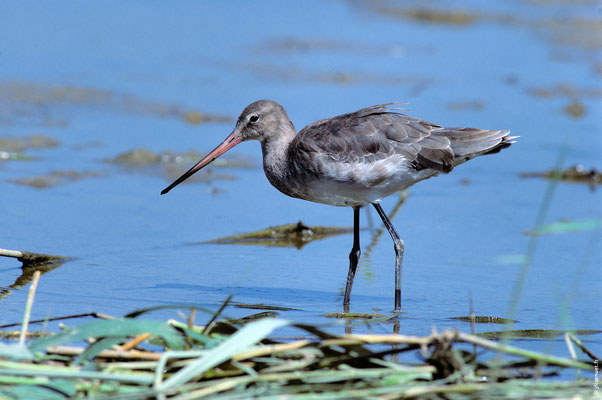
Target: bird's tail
{"x":468,"y":143}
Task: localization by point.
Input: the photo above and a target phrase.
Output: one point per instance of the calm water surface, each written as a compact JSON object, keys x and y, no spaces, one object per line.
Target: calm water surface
{"x":105,"y":78}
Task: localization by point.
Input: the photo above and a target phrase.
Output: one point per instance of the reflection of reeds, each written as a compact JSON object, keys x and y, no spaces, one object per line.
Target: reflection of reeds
{"x":563,"y":318}
{"x":533,"y":241}
{"x":576,"y":173}
{"x":27,"y":313}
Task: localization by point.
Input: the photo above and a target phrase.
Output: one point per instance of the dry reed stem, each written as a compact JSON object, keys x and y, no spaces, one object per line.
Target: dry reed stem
{"x":271,"y":349}
{"x":129,"y":354}
{"x":11,"y":253}
{"x":135,"y":341}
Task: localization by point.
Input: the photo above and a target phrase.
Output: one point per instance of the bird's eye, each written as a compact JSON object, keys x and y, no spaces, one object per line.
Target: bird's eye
{"x":253,"y":118}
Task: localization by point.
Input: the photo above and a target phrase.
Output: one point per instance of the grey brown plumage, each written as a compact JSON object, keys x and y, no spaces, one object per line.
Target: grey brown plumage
{"x":354,"y":159}
{"x":379,"y":132}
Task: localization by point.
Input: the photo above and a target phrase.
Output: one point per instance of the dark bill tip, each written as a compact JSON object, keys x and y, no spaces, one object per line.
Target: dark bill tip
{"x":232,"y":140}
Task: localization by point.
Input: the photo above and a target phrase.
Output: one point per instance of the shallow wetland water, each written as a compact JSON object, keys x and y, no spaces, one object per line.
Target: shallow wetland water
{"x":103,"y":104}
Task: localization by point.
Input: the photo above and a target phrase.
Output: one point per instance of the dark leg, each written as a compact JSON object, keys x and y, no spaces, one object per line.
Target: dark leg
{"x":398,"y":243}
{"x":354,"y":257}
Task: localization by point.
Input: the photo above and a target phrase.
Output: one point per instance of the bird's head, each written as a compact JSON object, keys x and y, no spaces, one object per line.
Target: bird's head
{"x":261,"y":120}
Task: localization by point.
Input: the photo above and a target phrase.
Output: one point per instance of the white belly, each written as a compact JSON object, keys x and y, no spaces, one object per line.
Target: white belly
{"x":358,"y":184}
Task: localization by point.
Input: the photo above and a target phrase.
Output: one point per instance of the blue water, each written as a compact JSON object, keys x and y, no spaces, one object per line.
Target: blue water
{"x":133,"y":248}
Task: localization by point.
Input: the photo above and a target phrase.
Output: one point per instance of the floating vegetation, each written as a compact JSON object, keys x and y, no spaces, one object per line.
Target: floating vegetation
{"x":289,"y":235}
{"x":585,"y":33}
{"x":11,"y":155}
{"x":432,"y":15}
{"x":40,"y":96}
{"x":135,"y":158}
{"x":342,"y":77}
{"x":536,"y":333}
{"x":143,"y":157}
{"x":345,"y":76}
{"x":22,"y":143}
{"x":483,"y":319}
{"x":264,"y":307}
{"x":562,"y":29}
{"x":31,"y":259}
{"x":245,"y":319}
{"x":575,"y":109}
{"x":54,"y":178}
{"x":565,"y":90}
{"x":304,"y":45}
{"x":576,"y":173}
{"x":31,"y":262}
{"x":12,"y":147}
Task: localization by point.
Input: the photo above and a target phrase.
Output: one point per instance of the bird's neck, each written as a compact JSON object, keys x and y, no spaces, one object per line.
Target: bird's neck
{"x":275,"y":159}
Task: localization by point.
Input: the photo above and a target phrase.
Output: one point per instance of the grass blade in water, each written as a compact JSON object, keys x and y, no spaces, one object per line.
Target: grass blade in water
{"x":112,"y":328}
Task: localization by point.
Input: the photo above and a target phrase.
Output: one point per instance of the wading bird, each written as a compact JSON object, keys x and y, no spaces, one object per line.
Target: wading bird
{"x":354,"y":159}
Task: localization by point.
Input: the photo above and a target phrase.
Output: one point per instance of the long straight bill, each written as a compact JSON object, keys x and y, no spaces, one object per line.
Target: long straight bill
{"x":232,"y":140}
